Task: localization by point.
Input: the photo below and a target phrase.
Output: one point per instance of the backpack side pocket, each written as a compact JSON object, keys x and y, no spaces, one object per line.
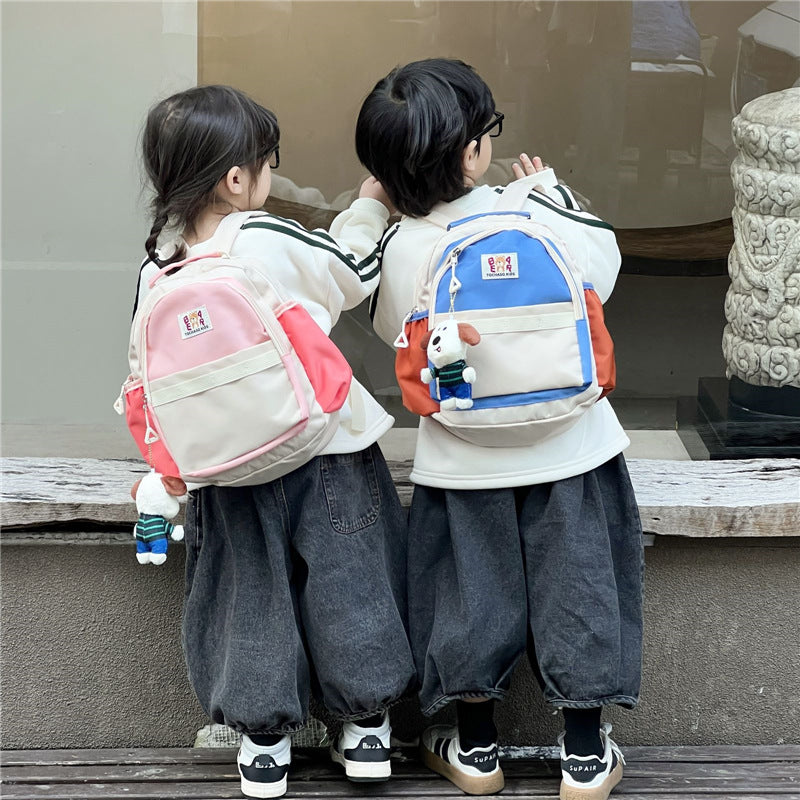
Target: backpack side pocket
{"x":602,"y":344}
{"x":409,"y":362}
{"x":153,"y":452}
{"x":328,"y":370}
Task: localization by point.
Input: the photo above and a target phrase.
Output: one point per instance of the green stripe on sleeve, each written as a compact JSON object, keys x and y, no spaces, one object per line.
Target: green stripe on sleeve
{"x":567,"y":199}
{"x":294,"y":223}
{"x":548,"y":203}
{"x":542,"y":201}
{"x":302,"y":236}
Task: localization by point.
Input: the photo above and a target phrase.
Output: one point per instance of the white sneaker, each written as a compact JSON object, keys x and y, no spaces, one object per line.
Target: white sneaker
{"x":364,"y":752}
{"x":476,"y":771}
{"x":590,"y":777}
{"x":263,"y":769}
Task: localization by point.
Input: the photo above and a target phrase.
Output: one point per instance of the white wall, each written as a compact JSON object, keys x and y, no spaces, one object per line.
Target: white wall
{"x":77,"y":79}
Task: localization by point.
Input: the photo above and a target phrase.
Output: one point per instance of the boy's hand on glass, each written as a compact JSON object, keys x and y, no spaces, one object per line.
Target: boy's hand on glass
{"x":530,"y":166}
{"x":373,"y":188}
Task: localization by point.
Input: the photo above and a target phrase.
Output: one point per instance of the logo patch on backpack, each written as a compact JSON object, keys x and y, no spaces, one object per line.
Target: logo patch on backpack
{"x":499,"y":265}
{"x":194,"y":322}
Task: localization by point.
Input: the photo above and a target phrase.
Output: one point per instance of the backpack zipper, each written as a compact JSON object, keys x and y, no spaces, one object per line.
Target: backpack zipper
{"x":401,"y":342}
{"x":452,"y":261}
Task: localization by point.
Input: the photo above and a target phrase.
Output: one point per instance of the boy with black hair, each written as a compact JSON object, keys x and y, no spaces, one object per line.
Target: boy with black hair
{"x":536,"y":546}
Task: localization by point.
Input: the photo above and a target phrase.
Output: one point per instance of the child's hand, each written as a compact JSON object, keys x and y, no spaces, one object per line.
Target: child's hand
{"x":529,"y":167}
{"x":373,"y":188}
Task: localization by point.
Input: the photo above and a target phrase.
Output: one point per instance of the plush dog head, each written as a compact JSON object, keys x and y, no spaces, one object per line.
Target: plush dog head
{"x":448,"y":341}
{"x":158,"y":494}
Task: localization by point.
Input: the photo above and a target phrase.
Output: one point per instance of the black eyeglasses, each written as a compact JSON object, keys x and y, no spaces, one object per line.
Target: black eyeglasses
{"x":274,"y":157}
{"x":497,"y":122}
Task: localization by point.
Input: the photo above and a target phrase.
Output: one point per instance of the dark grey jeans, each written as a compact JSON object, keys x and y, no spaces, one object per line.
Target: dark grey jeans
{"x":556,"y":566}
{"x":294,"y":586}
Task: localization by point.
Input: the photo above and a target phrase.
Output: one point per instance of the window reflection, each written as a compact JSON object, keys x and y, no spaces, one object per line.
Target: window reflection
{"x":631,"y":102}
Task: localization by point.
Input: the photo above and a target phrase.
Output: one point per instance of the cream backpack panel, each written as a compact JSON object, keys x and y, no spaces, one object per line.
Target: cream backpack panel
{"x":232,"y":382}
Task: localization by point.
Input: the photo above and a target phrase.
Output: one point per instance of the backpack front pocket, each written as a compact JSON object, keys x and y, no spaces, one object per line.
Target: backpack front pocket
{"x":256,"y":387}
{"x":140,"y":425}
{"x":526,"y":350}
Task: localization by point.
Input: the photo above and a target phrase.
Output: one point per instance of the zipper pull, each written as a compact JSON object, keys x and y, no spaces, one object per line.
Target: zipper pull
{"x":455,"y":283}
{"x":401,"y":342}
{"x":150,"y":434}
{"x":119,"y":403}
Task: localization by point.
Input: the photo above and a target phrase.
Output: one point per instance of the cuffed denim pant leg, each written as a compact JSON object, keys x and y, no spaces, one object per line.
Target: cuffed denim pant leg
{"x":467,"y":597}
{"x":554,"y":566}
{"x":582,"y":540}
{"x":298,"y":584}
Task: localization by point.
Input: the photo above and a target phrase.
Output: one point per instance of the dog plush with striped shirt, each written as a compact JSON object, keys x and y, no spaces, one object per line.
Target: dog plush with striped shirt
{"x":446,"y":346}
{"x":156,"y":499}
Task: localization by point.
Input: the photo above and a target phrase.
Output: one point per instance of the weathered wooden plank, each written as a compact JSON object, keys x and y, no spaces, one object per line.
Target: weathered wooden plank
{"x":130,"y":773}
{"x":111,"y":755}
{"x":37,"y":492}
{"x":41,"y":491}
{"x":695,"y":772}
{"x":132,"y":791}
{"x":522,"y":789}
{"x":744,"y":754}
{"x":759,"y":497}
{"x":741,"y":754}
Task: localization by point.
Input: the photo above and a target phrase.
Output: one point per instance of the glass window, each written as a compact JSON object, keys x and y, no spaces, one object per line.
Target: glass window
{"x":630,"y":102}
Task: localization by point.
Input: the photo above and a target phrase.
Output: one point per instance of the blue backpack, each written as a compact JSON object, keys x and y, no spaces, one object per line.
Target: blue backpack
{"x":505,"y":341}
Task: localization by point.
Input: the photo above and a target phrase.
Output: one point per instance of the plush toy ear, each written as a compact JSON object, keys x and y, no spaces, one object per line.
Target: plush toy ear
{"x":174,"y":486}
{"x":425,"y":340}
{"x":467,"y":333}
{"x":135,"y":488}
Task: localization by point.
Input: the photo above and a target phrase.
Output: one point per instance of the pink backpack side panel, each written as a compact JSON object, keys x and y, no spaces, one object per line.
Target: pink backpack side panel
{"x":327,"y":369}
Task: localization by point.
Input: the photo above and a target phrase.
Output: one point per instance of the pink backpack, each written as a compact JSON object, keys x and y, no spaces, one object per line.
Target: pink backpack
{"x":232,"y":382}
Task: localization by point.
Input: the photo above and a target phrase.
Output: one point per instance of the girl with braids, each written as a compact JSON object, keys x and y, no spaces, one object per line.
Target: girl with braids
{"x":299,"y":582}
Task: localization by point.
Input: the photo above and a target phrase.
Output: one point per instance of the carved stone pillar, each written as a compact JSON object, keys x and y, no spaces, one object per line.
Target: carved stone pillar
{"x":761,"y":342}
{"x":755,"y":413}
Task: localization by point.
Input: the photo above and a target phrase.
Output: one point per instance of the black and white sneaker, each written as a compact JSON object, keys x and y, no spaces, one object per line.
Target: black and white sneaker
{"x":590,"y":777}
{"x":476,"y":771}
{"x":263,"y":769}
{"x":364,"y":752}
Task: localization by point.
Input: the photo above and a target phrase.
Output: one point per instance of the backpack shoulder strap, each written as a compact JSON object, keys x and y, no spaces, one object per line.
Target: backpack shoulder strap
{"x":229,"y":228}
{"x":515,"y":195}
{"x":513,"y":198}
{"x":439,"y":217}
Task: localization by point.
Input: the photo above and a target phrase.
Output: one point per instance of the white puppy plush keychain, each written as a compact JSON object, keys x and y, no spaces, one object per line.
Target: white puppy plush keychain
{"x":156,"y":497}
{"x":446,"y":346}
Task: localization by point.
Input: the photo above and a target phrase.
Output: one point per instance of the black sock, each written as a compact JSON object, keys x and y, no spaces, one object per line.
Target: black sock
{"x":375,"y":721}
{"x":582,"y":737}
{"x":266,"y":740}
{"x":476,"y":724}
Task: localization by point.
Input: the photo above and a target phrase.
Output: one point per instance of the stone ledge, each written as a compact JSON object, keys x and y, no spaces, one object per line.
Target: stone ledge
{"x":83,"y":500}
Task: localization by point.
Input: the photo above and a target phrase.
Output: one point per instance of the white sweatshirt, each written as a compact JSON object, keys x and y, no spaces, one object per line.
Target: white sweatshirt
{"x":328,"y":272}
{"x":442,"y":459}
